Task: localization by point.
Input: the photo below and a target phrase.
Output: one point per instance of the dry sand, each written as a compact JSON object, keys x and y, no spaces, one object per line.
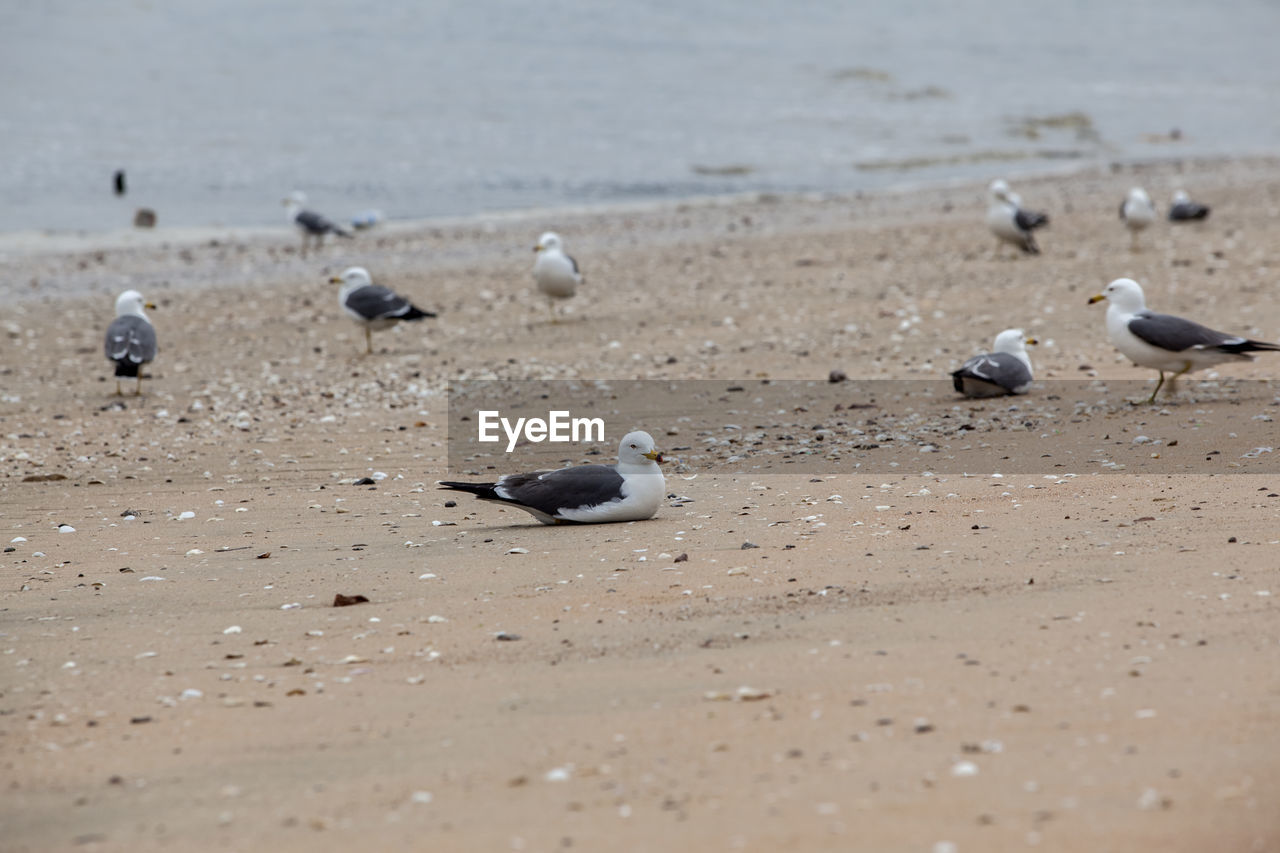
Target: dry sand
{"x":1078,"y":663}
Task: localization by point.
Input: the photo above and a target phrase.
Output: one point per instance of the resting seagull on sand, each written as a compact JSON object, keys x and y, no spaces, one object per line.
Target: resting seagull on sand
{"x":555,"y":273}
{"x":1164,"y":342}
{"x":131,"y":339}
{"x":1186,"y":210}
{"x":585,"y":494}
{"x":1008,"y":221}
{"x":371,"y":305}
{"x":310,"y":223}
{"x":1137,"y":211}
{"x":1004,"y":370}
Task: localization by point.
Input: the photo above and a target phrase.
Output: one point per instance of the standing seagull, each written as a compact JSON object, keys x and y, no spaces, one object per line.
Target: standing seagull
{"x":1005,"y":370}
{"x":1138,"y":212}
{"x":585,"y":494}
{"x":1008,"y":221}
{"x":131,"y":339}
{"x":310,"y":223}
{"x":1164,"y":342}
{"x":371,"y":305}
{"x":555,"y":272}
{"x":1186,"y":210}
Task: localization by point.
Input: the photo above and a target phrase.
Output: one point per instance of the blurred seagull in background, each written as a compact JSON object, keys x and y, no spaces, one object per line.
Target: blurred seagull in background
{"x":1008,"y":221}
{"x":311,"y":224}
{"x":373,"y":306}
{"x":555,"y":273}
{"x":1138,"y":212}
{"x":131,"y":339}
{"x":1184,"y":209}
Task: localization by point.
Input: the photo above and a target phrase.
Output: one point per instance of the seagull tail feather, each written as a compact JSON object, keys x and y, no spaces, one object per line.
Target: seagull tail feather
{"x":1247,"y":346}
{"x":416,"y":313}
{"x":484,"y":491}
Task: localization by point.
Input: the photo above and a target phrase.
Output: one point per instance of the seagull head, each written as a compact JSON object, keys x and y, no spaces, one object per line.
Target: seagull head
{"x":1124,"y":293}
{"x":998,"y":190}
{"x":131,"y":302}
{"x":637,"y":447}
{"x":353,"y":277}
{"x":297,"y":198}
{"x":1181,"y":197}
{"x":548,"y":241}
{"x":1138,"y":195}
{"x":1013,"y":341}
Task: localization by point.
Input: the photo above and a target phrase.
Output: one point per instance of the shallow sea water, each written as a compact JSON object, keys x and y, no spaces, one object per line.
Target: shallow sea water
{"x":421,"y":109}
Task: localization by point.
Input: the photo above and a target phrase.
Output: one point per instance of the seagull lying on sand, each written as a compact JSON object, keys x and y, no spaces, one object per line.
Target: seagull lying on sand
{"x":1164,"y":342}
{"x":585,"y":494}
{"x":555,"y":273}
{"x":371,"y":305}
{"x":131,"y":339}
{"x":1137,"y":211}
{"x":310,"y":223}
{"x":1008,"y":221}
{"x":1004,"y":370}
{"x":1186,"y":210}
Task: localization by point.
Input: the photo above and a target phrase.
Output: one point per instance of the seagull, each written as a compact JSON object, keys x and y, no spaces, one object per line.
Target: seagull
{"x":1008,"y":221}
{"x":584,"y":494}
{"x":310,"y":223}
{"x":371,"y":305}
{"x":1186,"y":210}
{"x":556,"y":273}
{"x":1164,"y":342}
{"x":1005,"y":370}
{"x":131,"y":339}
{"x":1138,"y":212}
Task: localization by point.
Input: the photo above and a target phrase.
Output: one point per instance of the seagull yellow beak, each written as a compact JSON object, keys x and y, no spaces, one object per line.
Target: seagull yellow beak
{"x":151,"y":306}
{"x":1032,"y":341}
{"x":1098,"y":298}
{"x":335,"y":279}
{"x":654,"y":455}
{"x":537,"y":249}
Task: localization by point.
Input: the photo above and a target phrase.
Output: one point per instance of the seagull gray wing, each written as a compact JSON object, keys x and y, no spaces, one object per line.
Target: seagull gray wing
{"x":315,"y":224}
{"x":1029,"y":220}
{"x":1185,"y":211}
{"x":130,"y":339}
{"x":551,"y":492}
{"x":998,"y":369}
{"x":375,"y":302}
{"x":1176,"y":334}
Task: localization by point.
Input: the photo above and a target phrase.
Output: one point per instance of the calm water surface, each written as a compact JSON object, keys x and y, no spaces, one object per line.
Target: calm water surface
{"x":427,"y":108}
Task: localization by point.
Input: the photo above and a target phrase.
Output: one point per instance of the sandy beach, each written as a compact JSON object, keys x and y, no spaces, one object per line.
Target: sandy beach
{"x":1066,"y":660}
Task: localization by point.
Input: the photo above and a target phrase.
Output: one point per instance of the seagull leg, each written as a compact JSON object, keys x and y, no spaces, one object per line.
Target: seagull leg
{"x":368,"y":341}
{"x":1133,"y":241}
{"x":1152,"y":398}
{"x":119,"y":393}
{"x":1173,"y":380}
{"x":137,"y":392}
{"x":551,"y":306}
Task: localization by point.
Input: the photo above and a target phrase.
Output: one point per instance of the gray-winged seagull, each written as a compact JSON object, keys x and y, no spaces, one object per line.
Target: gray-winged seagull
{"x":1164,"y":342}
{"x":584,"y":494}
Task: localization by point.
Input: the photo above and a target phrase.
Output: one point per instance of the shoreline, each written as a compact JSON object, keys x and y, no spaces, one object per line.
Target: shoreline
{"x":16,"y":245}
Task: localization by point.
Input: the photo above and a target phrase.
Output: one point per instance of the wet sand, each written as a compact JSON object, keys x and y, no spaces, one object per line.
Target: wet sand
{"x":1074,"y":663}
